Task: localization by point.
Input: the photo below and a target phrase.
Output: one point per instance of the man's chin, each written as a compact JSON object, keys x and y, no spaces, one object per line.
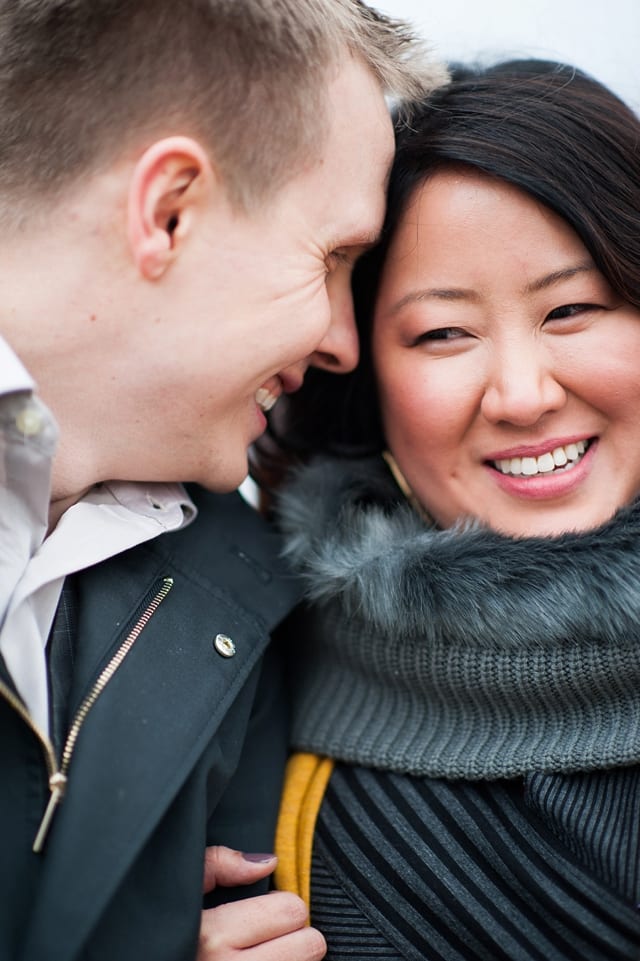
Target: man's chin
{"x":226,"y":478}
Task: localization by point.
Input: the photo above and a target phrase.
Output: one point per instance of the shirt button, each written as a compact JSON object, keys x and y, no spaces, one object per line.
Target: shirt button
{"x":29,"y":421}
{"x":224,"y":645}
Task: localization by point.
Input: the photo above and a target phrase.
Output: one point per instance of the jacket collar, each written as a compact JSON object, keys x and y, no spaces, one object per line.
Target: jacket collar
{"x":146,"y":732}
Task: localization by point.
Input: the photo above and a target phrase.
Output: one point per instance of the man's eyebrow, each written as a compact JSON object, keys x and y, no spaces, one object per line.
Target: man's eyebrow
{"x":362,"y":238}
{"x":369,"y":238}
{"x":565,"y":273}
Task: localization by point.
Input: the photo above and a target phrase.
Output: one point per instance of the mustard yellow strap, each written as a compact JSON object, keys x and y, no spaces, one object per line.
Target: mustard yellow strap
{"x":306,"y":780}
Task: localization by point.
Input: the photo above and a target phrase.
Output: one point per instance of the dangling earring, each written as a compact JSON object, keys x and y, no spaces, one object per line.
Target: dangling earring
{"x":401,"y":481}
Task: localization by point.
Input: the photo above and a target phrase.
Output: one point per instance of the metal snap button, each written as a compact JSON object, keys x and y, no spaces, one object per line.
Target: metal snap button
{"x":29,"y":421}
{"x":224,"y":645}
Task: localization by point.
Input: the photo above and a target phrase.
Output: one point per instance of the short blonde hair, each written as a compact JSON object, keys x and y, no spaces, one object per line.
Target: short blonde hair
{"x":84,"y":80}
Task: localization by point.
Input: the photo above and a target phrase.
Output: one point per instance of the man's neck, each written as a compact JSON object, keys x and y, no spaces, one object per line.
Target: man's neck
{"x":59,"y":505}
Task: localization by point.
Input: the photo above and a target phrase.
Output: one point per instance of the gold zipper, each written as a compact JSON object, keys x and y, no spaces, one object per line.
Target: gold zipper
{"x":58,"y":776}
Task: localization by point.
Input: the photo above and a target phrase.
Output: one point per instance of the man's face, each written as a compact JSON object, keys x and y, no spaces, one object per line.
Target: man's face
{"x":266,"y":294}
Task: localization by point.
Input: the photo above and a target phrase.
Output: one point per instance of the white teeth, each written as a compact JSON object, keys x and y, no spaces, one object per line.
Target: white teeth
{"x":545,"y":463}
{"x":265,"y":399}
{"x":572,"y":451}
{"x":559,"y":457}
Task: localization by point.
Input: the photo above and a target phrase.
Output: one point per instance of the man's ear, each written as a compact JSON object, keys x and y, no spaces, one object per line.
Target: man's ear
{"x":170,"y":183}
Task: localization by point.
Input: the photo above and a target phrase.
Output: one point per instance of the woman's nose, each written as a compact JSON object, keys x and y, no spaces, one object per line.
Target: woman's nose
{"x":521,"y":386}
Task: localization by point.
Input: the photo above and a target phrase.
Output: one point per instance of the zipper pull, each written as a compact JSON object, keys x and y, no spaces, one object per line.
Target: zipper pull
{"x":57,"y":785}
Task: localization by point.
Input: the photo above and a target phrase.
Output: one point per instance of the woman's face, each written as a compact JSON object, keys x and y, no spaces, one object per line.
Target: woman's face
{"x":508,"y":369}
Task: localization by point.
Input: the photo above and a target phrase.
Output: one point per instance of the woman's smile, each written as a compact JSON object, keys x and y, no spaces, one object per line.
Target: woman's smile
{"x":554,"y":474}
{"x":555,"y":458}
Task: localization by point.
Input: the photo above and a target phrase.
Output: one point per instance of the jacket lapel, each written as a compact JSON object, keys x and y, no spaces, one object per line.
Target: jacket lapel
{"x":146,"y":731}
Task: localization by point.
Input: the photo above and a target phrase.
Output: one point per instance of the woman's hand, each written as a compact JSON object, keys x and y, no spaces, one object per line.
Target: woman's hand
{"x":272,"y":927}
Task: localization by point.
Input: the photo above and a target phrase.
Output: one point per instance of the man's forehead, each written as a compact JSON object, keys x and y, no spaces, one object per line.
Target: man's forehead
{"x":360,"y":216}
{"x":358,"y":152}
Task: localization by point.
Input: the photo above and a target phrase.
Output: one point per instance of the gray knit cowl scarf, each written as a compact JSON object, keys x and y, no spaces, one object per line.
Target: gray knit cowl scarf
{"x":460,"y":653}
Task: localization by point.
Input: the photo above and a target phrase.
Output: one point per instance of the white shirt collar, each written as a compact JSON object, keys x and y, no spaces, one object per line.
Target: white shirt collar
{"x":111,"y":518}
{"x":13,"y":376}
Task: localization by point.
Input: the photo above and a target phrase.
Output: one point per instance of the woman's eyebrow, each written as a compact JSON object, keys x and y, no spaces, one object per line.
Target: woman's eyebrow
{"x":470,"y":296}
{"x":434,"y":293}
{"x":548,"y":280}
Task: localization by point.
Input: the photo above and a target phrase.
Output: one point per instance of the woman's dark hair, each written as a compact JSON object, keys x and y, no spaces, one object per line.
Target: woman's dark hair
{"x":544,"y":127}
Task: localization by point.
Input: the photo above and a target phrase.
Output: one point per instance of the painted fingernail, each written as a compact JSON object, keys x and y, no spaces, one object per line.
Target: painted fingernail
{"x":257,"y":858}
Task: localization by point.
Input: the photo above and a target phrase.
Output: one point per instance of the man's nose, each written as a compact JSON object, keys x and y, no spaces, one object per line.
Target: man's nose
{"x":339,"y":350}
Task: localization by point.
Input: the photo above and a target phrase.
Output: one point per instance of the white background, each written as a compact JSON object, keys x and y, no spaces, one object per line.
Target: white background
{"x":600,"y":36}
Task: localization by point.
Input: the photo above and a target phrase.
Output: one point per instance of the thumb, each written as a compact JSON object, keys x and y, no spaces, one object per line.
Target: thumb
{"x":226,"y":867}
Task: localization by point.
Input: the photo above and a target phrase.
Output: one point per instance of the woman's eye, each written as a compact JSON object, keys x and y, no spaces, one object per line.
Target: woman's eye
{"x":570,"y":310}
{"x":440,"y":333}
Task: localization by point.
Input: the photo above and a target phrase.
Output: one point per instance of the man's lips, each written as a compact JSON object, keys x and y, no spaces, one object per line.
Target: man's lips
{"x":265,"y":399}
{"x":286,"y":382}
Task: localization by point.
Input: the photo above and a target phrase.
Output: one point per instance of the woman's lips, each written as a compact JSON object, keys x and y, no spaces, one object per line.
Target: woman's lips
{"x":545,"y":476}
{"x":559,"y":458}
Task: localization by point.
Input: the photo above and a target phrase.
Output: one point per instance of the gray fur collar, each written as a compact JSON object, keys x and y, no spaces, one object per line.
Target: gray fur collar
{"x":459,"y":653}
{"x":349,"y":530}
